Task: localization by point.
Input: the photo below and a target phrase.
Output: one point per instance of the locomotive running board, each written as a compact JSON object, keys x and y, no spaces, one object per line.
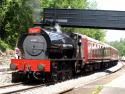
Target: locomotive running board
{"x":105,"y":19}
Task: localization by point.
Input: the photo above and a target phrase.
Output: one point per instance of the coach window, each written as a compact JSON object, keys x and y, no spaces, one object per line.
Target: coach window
{"x":102,"y":52}
{"x":89,"y":49}
{"x":109,"y":52}
{"x":92,"y":49}
{"x":98,"y":50}
{"x":105,"y":52}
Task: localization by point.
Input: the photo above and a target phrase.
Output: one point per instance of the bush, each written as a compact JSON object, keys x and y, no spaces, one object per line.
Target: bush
{"x":4,"y":46}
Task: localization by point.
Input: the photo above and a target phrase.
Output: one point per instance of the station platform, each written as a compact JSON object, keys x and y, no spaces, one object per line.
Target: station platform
{"x":117,"y":86}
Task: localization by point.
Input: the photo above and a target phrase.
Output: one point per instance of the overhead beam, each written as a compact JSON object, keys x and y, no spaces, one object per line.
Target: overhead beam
{"x":105,"y":19}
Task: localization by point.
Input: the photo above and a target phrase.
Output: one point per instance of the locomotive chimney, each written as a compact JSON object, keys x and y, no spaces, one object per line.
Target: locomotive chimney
{"x":57,"y":27}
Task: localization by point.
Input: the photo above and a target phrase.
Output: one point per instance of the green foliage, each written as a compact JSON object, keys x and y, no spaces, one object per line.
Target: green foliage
{"x":98,"y":89}
{"x":15,"y":18}
{"x":93,"y":33}
{"x":92,"y":4}
{"x":120,"y":45}
{"x":4,"y":46}
{"x":64,"y":3}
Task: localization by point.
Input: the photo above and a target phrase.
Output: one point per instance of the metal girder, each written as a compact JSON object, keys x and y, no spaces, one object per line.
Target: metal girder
{"x":105,"y":19}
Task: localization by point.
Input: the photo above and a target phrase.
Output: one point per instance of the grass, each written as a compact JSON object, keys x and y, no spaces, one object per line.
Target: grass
{"x":97,"y":90}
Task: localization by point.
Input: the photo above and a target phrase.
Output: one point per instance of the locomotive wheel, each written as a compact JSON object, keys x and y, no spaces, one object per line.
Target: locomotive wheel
{"x":96,"y":66}
{"x":88,"y":68}
{"x":77,"y":67}
{"x":54,"y":72}
{"x":15,"y":77}
{"x":54,"y":77}
{"x":69,"y":75}
{"x":63,"y":76}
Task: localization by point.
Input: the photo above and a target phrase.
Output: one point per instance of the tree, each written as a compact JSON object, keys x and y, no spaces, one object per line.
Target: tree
{"x":16,"y":17}
{"x":120,"y":45}
{"x":64,"y":4}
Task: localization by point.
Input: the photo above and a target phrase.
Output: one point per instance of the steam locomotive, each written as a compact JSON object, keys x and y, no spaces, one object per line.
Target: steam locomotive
{"x":50,"y":54}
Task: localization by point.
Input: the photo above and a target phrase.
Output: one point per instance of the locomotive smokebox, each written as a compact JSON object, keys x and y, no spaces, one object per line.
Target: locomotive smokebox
{"x":34,"y":44}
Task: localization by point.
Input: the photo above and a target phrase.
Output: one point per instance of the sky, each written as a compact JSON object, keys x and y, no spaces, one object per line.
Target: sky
{"x":112,"y":35}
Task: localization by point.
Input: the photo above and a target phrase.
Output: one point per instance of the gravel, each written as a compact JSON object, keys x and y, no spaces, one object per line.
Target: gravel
{"x":5,"y":78}
{"x":4,"y":67}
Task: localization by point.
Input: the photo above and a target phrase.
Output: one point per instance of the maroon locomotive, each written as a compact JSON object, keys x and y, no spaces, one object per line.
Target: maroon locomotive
{"x":50,"y":54}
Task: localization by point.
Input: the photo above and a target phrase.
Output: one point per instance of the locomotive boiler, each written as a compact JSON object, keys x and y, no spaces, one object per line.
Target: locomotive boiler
{"x":45,"y":44}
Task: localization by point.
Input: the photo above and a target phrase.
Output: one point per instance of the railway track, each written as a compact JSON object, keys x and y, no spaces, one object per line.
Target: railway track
{"x":18,"y":87}
{"x":6,"y":72}
{"x":123,"y":61}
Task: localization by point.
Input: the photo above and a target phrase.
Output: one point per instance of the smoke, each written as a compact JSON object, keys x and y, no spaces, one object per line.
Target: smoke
{"x":36,"y":9}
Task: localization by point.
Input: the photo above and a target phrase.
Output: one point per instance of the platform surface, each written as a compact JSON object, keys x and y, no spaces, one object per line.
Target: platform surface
{"x":117,"y":86}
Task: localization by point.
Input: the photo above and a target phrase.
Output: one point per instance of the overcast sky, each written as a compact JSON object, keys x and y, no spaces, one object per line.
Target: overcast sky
{"x":112,"y":5}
